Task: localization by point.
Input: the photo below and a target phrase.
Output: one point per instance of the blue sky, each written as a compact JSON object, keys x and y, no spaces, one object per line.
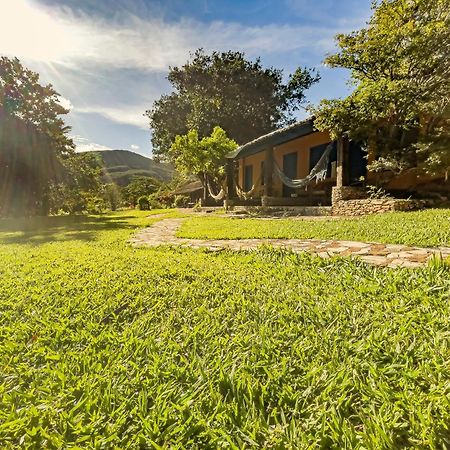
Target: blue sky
{"x":109,"y":58}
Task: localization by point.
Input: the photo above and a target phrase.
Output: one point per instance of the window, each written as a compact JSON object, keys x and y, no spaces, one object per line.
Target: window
{"x":248,"y":178}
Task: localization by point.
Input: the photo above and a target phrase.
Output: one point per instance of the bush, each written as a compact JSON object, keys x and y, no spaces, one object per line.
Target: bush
{"x":143,"y":203}
{"x":94,"y":204}
{"x":154,"y":202}
{"x":112,"y":196}
{"x":180,"y":201}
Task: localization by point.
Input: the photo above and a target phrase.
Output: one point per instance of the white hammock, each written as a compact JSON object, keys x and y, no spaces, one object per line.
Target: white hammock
{"x":217,"y":197}
{"x":243,"y":195}
{"x":319,"y":171}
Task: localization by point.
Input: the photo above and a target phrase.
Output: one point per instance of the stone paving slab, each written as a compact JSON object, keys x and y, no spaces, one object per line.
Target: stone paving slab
{"x":389,"y":255}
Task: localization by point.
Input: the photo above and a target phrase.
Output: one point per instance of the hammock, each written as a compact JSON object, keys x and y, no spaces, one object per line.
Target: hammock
{"x":249,"y":194}
{"x":319,"y":171}
{"x":217,"y":197}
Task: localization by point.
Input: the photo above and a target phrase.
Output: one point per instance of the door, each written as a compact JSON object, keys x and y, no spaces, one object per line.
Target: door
{"x":248,"y":178}
{"x":358,"y":163}
{"x":290,"y":170}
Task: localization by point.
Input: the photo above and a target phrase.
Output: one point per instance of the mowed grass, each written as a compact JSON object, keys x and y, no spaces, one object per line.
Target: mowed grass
{"x":428,"y":228}
{"x":105,"y":346}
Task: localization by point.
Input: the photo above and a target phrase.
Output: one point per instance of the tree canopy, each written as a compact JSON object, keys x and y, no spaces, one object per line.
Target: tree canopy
{"x":139,"y":187}
{"x":39,"y":169}
{"x":225,"y":89}
{"x":22,"y":96}
{"x":400,"y":66}
{"x":203,"y":157}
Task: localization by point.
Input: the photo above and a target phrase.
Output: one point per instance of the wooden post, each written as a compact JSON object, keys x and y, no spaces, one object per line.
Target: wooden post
{"x":231,"y":193}
{"x":342,"y":166}
{"x":268,"y":172}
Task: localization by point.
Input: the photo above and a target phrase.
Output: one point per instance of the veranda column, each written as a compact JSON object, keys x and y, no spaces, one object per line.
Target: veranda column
{"x":231,"y":192}
{"x":342,"y":166}
{"x":342,"y":172}
{"x":268,"y":172}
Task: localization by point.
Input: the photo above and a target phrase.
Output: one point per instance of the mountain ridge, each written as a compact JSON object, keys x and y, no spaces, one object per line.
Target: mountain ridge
{"x":122,"y":165}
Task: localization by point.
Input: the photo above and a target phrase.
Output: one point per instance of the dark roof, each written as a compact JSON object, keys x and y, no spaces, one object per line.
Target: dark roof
{"x":188,"y":187}
{"x":274,"y":138}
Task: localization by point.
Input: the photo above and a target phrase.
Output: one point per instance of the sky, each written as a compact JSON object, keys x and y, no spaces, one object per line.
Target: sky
{"x":109,"y":59}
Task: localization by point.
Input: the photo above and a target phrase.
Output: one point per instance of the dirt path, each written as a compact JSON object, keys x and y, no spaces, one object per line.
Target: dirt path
{"x":390,"y":255}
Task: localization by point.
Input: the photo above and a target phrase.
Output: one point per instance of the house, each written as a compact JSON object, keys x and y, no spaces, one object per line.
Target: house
{"x":295,"y":151}
{"x":192,"y":189}
{"x":301,"y":166}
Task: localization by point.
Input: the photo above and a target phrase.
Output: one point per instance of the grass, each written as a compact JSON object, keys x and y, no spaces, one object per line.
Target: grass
{"x":105,"y":346}
{"x":428,"y":228}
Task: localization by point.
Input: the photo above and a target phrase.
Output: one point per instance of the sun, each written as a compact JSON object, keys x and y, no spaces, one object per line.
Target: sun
{"x":29,"y":31}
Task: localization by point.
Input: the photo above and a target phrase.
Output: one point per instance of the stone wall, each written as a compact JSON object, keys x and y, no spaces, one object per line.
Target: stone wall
{"x":346,"y":202}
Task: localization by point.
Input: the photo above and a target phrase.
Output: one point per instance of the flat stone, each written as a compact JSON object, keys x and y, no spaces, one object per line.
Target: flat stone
{"x":164,"y":231}
{"x":375,"y":260}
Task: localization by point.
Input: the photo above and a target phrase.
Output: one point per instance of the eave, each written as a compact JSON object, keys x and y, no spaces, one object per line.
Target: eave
{"x":273,"y":139}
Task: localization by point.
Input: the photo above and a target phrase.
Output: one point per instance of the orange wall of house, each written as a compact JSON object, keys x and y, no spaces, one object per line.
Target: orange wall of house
{"x":255,"y":161}
{"x":301,"y":145}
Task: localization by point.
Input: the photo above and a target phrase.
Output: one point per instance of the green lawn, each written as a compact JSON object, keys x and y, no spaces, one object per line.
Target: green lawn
{"x":428,"y":228}
{"x":105,"y":346}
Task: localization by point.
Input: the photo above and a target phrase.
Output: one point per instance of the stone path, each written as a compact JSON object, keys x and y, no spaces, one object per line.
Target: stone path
{"x":390,"y":255}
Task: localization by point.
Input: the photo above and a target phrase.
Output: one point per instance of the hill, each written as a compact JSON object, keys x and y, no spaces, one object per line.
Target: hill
{"x":122,"y":165}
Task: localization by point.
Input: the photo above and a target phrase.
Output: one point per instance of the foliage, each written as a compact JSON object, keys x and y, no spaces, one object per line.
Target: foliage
{"x":180,"y":201}
{"x":427,"y":228}
{"x":23,"y":97}
{"x":139,"y":186}
{"x":39,"y":171}
{"x":226,"y":90}
{"x":143,"y":203}
{"x":154,"y":201}
{"x":80,"y":187}
{"x":202,"y":157}
{"x":112,"y":195}
{"x":400,"y":64}
{"x":27,"y":166}
{"x":375,"y":192}
{"x":106,"y":346}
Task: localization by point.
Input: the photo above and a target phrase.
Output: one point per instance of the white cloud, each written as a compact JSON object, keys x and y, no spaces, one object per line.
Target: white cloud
{"x":84,"y":145}
{"x":128,"y":115}
{"x":65,"y":103}
{"x":134,"y":147}
{"x":57,"y":35}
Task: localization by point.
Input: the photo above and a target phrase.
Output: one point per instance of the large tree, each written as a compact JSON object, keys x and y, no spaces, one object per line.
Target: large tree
{"x":39,"y":169}
{"x":22,"y":96}
{"x":226,"y":90}
{"x":400,"y":66}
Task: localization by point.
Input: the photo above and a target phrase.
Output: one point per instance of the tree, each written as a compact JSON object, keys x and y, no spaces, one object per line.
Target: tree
{"x":139,"y":187}
{"x":226,"y":90}
{"x":400,"y":65}
{"x":39,"y":169}
{"x":23,"y":97}
{"x":204,"y":157}
{"x":80,"y":185}
{"x":112,"y":195}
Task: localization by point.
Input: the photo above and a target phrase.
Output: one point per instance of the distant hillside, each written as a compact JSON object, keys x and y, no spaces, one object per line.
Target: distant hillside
{"x":123,"y":165}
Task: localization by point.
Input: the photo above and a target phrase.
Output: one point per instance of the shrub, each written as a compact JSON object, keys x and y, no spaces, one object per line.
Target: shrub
{"x":143,"y":203}
{"x":180,"y":201}
{"x":94,"y":204}
{"x":154,"y":202}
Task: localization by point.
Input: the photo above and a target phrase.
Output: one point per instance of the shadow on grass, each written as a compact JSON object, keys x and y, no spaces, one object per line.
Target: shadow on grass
{"x":40,"y":230}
